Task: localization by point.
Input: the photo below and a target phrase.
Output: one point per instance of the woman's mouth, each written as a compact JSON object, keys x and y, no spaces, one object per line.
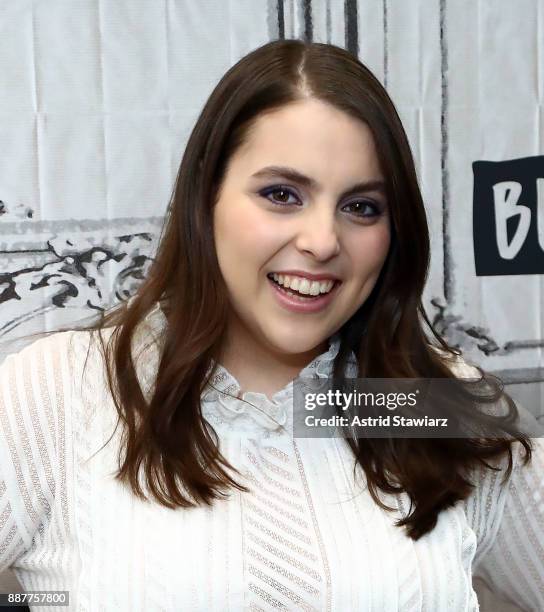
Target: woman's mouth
{"x":293,"y":300}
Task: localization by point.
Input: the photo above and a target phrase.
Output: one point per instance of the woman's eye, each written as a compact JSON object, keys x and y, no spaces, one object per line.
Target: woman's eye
{"x":278,"y":190}
{"x":364,"y":204}
{"x":279,"y":196}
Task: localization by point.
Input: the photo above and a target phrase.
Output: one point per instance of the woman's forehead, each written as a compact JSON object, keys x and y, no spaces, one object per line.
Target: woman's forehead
{"x":313,"y":147}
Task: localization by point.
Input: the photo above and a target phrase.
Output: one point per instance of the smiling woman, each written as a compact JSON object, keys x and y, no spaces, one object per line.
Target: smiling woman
{"x":313,"y":230}
{"x":295,"y":246}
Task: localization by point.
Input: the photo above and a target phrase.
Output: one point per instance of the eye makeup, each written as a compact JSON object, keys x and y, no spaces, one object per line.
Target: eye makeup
{"x":362,"y":203}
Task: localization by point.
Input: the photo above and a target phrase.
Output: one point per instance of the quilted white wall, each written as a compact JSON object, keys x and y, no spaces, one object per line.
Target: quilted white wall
{"x":97,"y":99}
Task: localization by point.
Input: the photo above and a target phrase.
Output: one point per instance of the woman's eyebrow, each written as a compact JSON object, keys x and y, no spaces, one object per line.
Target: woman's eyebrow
{"x":291,"y":174}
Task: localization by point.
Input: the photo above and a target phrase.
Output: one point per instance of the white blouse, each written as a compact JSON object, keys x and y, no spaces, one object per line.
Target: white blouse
{"x":307,"y":537}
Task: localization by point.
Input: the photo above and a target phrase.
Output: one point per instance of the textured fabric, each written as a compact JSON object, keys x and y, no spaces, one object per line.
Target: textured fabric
{"x":307,"y":537}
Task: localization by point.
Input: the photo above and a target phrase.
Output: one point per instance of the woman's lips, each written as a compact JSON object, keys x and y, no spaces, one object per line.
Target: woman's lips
{"x":311,"y":305}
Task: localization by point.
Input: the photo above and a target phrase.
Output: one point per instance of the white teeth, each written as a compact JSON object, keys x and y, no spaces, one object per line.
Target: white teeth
{"x":303,"y":285}
{"x":295,"y":282}
{"x":315,"y":289}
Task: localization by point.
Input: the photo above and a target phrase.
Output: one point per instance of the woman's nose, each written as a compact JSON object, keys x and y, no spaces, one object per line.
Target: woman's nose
{"x":318,"y":234}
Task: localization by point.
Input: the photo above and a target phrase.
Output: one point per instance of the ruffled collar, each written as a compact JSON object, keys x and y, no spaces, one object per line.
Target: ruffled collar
{"x":252,"y":408}
{"x":271,"y":413}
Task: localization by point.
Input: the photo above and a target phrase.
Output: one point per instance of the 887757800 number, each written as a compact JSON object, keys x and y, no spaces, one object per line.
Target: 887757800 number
{"x":42,"y":598}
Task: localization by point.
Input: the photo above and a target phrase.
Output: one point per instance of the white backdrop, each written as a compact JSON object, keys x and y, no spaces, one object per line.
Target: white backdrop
{"x":97,"y":98}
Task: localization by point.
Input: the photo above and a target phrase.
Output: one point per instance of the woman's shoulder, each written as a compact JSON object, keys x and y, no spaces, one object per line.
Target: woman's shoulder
{"x":49,"y":354}
{"x":483,"y":507}
{"x":49,"y":344}
{"x":54,"y":362}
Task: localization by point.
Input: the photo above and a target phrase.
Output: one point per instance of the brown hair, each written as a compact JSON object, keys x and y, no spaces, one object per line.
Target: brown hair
{"x":167,"y":436}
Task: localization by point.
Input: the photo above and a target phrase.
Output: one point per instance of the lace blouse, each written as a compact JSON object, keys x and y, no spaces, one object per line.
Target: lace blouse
{"x":307,"y":537}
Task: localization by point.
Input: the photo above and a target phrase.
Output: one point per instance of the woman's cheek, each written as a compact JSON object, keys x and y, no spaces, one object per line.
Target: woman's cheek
{"x":368,"y":246}
{"x":261,"y":235}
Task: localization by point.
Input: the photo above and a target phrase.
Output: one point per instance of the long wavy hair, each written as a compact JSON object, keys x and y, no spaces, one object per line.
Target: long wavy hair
{"x":165,"y":435}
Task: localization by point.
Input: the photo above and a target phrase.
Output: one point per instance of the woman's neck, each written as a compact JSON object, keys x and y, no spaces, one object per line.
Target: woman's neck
{"x":262,"y":370}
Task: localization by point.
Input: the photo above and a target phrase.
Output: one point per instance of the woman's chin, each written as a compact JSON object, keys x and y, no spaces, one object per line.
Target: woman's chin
{"x":298,"y":345}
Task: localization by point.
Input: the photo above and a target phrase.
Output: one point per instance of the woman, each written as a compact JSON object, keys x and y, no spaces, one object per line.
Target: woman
{"x":170,"y":479}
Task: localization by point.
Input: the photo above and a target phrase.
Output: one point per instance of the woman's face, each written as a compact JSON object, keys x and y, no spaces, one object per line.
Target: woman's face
{"x":267,"y":222}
